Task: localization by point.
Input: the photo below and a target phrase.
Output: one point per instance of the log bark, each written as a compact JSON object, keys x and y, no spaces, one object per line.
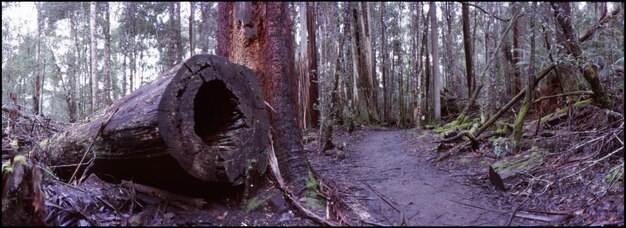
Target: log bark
{"x":202,"y":119}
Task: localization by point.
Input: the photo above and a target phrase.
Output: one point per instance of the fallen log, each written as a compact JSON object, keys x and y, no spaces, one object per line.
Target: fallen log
{"x":203,"y":119}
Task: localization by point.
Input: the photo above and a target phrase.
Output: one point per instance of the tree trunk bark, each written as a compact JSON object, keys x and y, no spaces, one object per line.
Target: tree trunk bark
{"x":37,"y":61}
{"x":107,"y":56}
{"x":467,"y":45}
{"x":192,"y":40}
{"x":204,"y":117}
{"x":435,"y":71}
{"x":312,"y":66}
{"x":93,"y":57}
{"x":264,"y":44}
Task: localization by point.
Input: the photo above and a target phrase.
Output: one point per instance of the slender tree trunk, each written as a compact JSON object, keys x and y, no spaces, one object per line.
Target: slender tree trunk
{"x":269,"y":54}
{"x":303,"y":92}
{"x":523,"y":112}
{"x":107,"y":56}
{"x":517,"y":56}
{"x":74,"y":69}
{"x":37,"y":61}
{"x":204,"y":27}
{"x":491,"y":80}
{"x":427,"y":91}
{"x":93,"y":58}
{"x":385,"y":55}
{"x":312,"y":66}
{"x":192,"y":40}
{"x":467,"y":45}
{"x":435,"y":71}
{"x":562,"y":12}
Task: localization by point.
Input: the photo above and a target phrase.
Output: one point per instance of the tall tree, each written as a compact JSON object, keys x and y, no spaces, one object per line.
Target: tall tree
{"x":38,"y":70}
{"x":523,"y":112}
{"x":192,"y":38}
{"x":174,"y":51}
{"x":435,"y":71}
{"x":107,"y":56}
{"x":264,"y":44}
{"x":204,"y":27}
{"x":362,"y":52}
{"x":93,"y":57}
{"x":384,"y":56}
{"x":312,"y":65}
{"x":517,"y":53}
{"x":467,"y":46}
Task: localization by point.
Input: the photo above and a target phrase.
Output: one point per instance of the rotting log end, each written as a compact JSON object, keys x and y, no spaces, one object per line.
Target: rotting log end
{"x":213,"y":119}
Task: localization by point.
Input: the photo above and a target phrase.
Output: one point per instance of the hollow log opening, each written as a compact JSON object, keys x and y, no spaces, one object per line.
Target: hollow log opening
{"x":215,"y":111}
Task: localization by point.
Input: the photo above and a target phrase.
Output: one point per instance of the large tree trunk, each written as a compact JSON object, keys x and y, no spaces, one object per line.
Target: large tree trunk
{"x":204,"y":117}
{"x":361,"y":42}
{"x":264,"y":44}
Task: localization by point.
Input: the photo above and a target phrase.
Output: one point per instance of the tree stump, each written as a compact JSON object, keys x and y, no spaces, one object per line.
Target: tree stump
{"x":204,"y":119}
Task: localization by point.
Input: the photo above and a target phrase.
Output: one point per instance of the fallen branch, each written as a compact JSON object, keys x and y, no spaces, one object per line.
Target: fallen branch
{"x":577,"y":93}
{"x":281,"y":185}
{"x":91,"y":145}
{"x":195,"y":202}
{"x":388,"y":201}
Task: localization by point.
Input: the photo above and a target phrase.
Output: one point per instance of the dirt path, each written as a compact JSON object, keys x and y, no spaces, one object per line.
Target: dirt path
{"x":388,"y":162}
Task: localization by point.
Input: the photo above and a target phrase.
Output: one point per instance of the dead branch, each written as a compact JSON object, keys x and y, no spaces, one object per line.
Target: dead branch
{"x":564,"y":94}
{"x":281,"y":185}
{"x":91,"y":145}
{"x":388,"y":201}
{"x":484,"y":11}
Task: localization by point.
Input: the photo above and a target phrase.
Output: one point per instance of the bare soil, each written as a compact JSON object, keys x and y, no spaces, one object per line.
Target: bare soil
{"x":395,"y":163}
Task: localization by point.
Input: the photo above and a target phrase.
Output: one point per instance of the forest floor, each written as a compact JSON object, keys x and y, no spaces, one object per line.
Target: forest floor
{"x":379,"y":176}
{"x":387,"y":178}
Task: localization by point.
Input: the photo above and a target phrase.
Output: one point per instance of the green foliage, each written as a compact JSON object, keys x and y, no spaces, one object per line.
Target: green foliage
{"x":615,"y":174}
{"x":253,"y":204}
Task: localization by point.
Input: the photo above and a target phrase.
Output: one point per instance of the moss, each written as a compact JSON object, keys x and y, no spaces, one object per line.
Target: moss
{"x":14,"y":144}
{"x":463,"y":160}
{"x":517,"y":127}
{"x":313,"y":196}
{"x":521,"y":162}
{"x":484,"y":163}
{"x":253,"y":204}
{"x":577,"y":105}
{"x":43,"y":144}
{"x":614,"y":174}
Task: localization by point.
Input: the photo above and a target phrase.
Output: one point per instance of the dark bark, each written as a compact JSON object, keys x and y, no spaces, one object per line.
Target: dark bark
{"x":312,"y":67}
{"x":264,"y":44}
{"x":385,"y":116}
{"x":203,"y":119}
{"x":37,"y":61}
{"x":467,"y":46}
{"x":517,"y":78}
